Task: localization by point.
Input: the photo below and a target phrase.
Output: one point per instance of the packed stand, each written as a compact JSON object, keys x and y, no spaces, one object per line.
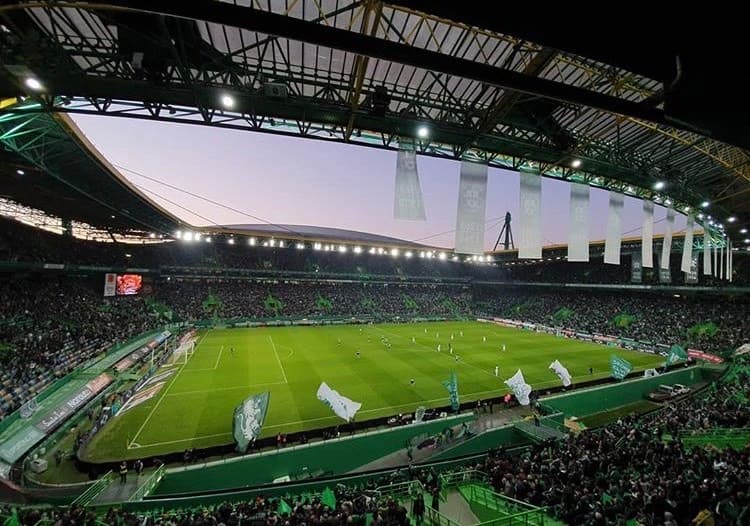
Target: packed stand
{"x":48,"y":328}
{"x":655,"y":318}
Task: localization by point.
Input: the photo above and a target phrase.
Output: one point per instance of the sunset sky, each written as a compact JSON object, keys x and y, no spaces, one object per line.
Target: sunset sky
{"x":286,"y":180}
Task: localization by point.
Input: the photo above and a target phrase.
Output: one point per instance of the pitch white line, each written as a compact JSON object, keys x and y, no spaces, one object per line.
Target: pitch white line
{"x":163,"y":396}
{"x":278,"y":360}
{"x":249,"y":386}
{"x":219,"y":357}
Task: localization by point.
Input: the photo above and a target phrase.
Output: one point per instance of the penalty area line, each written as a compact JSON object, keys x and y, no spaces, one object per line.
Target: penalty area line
{"x":278,"y":360}
{"x":219,"y":357}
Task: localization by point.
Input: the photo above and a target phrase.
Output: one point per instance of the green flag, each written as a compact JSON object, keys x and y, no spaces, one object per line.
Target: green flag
{"x":676,"y":354}
{"x":452,"y":386}
{"x":12,"y":520}
{"x":284,"y":508}
{"x":606,"y":499}
{"x":328,"y":498}
{"x":248,"y":419}
{"x":619,"y":367}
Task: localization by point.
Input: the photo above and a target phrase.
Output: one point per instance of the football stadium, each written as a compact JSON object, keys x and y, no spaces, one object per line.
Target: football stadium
{"x":356,"y":262}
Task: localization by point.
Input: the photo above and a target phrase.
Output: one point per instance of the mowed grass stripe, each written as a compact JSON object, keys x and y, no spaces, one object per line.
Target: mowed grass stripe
{"x":290,"y":362}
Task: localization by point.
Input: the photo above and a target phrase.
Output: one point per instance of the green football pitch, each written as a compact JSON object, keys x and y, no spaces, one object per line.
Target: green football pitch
{"x":194,"y":407}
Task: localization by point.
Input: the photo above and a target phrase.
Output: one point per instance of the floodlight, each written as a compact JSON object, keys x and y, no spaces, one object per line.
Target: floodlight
{"x":408,"y":254}
{"x":128,"y":255}
{"x":705,"y":204}
{"x":152,"y":235}
{"x":743,"y":231}
{"x":659,"y":185}
{"x":187,"y":236}
{"x":394,"y":252}
{"x":317,"y":246}
{"x":227,"y":101}
{"x":372,"y":250}
{"x":667,"y":202}
{"x":251,"y":241}
{"x":575,"y":163}
{"x":423,"y":132}
{"x":732,"y":219}
{"x":687,"y":209}
{"x":300,"y":246}
{"x":231,"y":241}
{"x":178,"y":234}
{"x":197,"y":237}
{"x":442,"y":256}
{"x":747,"y":240}
{"x":208,"y":239}
{"x":357,"y":250}
{"x":20,"y":172}
{"x":34,"y":84}
{"x":342,"y":249}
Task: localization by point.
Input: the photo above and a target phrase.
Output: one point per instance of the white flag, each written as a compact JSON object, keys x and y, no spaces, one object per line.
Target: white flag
{"x":561,"y":372}
{"x":520,"y":388}
{"x":341,"y":405}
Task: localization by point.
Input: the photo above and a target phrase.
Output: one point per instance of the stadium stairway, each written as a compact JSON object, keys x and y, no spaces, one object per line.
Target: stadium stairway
{"x":538,"y":433}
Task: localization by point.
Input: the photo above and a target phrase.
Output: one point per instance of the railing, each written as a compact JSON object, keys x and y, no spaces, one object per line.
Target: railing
{"x":398,"y":490}
{"x":147,"y":487}
{"x":435,"y":518}
{"x":520,"y":512}
{"x":94,"y":490}
{"x":719,"y":437}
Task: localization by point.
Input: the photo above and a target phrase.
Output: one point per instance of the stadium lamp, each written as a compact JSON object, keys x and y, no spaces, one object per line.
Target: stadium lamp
{"x":747,"y":240}
{"x":317,"y":246}
{"x":394,"y":252}
{"x":251,"y":241}
{"x":227,"y":101}
{"x":300,"y":246}
{"x":423,"y":132}
{"x":667,"y":202}
{"x":455,"y":258}
{"x":659,"y":185}
{"x":178,"y":234}
{"x":700,"y":216}
{"x":357,"y":250}
{"x":575,"y":163}
{"x":743,"y":231}
{"x":272,"y":243}
{"x":208,"y":239}
{"x":442,"y":256}
{"x":152,"y":235}
{"x":408,"y":254}
{"x":187,"y":236}
{"x":20,"y":172}
{"x":732,"y":219}
{"x":705,"y":204}
{"x":372,"y":250}
{"x":34,"y":84}
{"x":342,"y":249}
{"x":629,"y":189}
{"x":128,"y":255}
{"x":231,"y":241}
{"x":687,"y":209}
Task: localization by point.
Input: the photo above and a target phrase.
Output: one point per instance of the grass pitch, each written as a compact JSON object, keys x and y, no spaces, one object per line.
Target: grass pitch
{"x":194,"y":407}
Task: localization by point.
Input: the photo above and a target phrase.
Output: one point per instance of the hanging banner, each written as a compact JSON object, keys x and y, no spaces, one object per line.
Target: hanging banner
{"x":666,"y":250}
{"x":706,"y":250}
{"x":110,"y":284}
{"x":339,"y":404}
{"x":691,"y":278}
{"x":472,"y":203}
{"x":715,"y":251}
{"x":530,"y":242}
{"x":408,"y":203}
{"x":614,"y":229}
{"x":722,"y":252}
{"x":636,"y":269}
{"x":647,"y":239}
{"x":730,"y":261}
{"x":520,"y":388}
{"x":578,"y":223}
{"x":687,"y":246}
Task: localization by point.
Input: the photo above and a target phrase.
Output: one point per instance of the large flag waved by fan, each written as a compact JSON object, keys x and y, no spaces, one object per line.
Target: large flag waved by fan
{"x":248,"y":419}
{"x":451,"y":385}
{"x":520,"y":388}
{"x":619,"y":367}
{"x":561,"y":372}
{"x":676,"y":354}
{"x":341,"y":405}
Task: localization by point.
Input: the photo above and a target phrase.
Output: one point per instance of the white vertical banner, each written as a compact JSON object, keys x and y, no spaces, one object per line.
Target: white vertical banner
{"x":715,"y":268}
{"x":687,"y":246}
{"x":706,"y":250}
{"x":666,"y":247}
{"x":730,"y":262}
{"x":647,"y":239}
{"x":472,"y":203}
{"x":614,"y":229}
{"x":578,"y":223}
{"x":722,"y":252}
{"x":408,"y":203}
{"x":530,"y":242}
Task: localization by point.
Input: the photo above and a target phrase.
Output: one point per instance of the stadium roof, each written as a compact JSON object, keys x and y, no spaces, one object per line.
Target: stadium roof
{"x":323,"y":234}
{"x":373,"y":73}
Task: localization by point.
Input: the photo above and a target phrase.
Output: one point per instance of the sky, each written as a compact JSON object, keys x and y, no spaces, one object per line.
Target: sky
{"x":287,"y":180}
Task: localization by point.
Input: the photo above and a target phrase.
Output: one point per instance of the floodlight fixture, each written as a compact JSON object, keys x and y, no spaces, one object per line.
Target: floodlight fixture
{"x":227,"y":101}
{"x":423,"y":132}
{"x":659,"y":185}
{"x":743,"y":231}
{"x":442,"y":256}
{"x":20,"y":172}
{"x":575,"y":163}
{"x":33,"y":83}
{"x":732,"y":219}
{"x":251,"y":241}
{"x":705,"y":204}
{"x":357,"y":250}
{"x":231,"y":241}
